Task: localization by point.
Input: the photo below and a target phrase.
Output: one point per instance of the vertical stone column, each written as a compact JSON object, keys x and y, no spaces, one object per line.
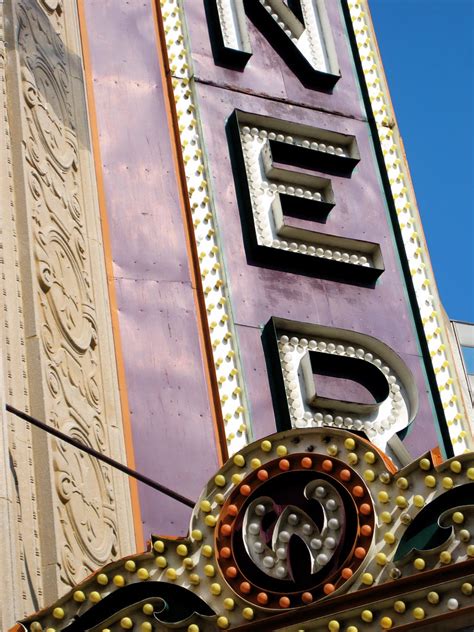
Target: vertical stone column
{"x":67,"y":514}
{"x":20,"y":581}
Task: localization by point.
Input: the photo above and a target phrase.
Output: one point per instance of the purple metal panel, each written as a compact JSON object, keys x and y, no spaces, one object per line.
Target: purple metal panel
{"x":257,"y":293}
{"x":172,"y":426}
{"x":266,"y":73}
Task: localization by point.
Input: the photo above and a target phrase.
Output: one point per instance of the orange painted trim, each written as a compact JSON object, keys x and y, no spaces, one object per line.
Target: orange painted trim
{"x":122,"y":383}
{"x":389,"y":464}
{"x":191,"y":246}
{"x":436,"y":456}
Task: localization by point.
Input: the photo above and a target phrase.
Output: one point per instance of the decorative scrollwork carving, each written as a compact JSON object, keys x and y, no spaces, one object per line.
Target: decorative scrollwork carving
{"x":52,"y":5}
{"x":87,"y":504}
{"x":68,"y":330}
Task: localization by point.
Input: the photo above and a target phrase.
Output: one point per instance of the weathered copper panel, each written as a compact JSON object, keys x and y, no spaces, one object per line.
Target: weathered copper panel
{"x":257,"y":293}
{"x":172,"y":427}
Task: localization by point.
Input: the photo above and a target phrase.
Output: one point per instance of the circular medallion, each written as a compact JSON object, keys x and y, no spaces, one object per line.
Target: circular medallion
{"x":294,"y":530}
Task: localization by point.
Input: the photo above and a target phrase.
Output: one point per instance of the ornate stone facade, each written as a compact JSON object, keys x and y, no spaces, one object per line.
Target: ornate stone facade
{"x":68,"y":507}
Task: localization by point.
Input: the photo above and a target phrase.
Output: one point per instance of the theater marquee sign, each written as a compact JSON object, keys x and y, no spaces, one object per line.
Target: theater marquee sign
{"x":316,"y":331}
{"x":312,"y":528}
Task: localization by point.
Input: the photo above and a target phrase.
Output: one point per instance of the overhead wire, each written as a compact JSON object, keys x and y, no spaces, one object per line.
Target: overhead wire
{"x":100,"y":456}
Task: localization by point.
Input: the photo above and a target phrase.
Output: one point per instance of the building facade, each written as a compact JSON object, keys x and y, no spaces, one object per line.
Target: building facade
{"x":210,"y":236}
{"x":462,"y":341}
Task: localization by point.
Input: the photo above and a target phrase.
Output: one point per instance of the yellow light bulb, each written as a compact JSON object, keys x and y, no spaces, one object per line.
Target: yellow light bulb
{"x":248,"y":613}
{"x":367,"y":616}
{"x":223,"y":623}
{"x":58,"y":613}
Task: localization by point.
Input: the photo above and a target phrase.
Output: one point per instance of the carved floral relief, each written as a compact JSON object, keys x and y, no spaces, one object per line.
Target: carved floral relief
{"x":85,"y":502}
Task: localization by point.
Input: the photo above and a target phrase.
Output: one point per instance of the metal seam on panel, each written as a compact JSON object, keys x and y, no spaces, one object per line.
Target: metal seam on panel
{"x":110,"y":282}
{"x":411,"y":229}
{"x":219,"y":314}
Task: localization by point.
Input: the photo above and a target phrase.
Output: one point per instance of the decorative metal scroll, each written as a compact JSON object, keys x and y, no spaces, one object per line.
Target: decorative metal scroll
{"x":292,"y":524}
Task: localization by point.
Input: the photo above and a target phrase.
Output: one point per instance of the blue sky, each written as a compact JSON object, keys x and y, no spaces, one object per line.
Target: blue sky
{"x":427,"y":48}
